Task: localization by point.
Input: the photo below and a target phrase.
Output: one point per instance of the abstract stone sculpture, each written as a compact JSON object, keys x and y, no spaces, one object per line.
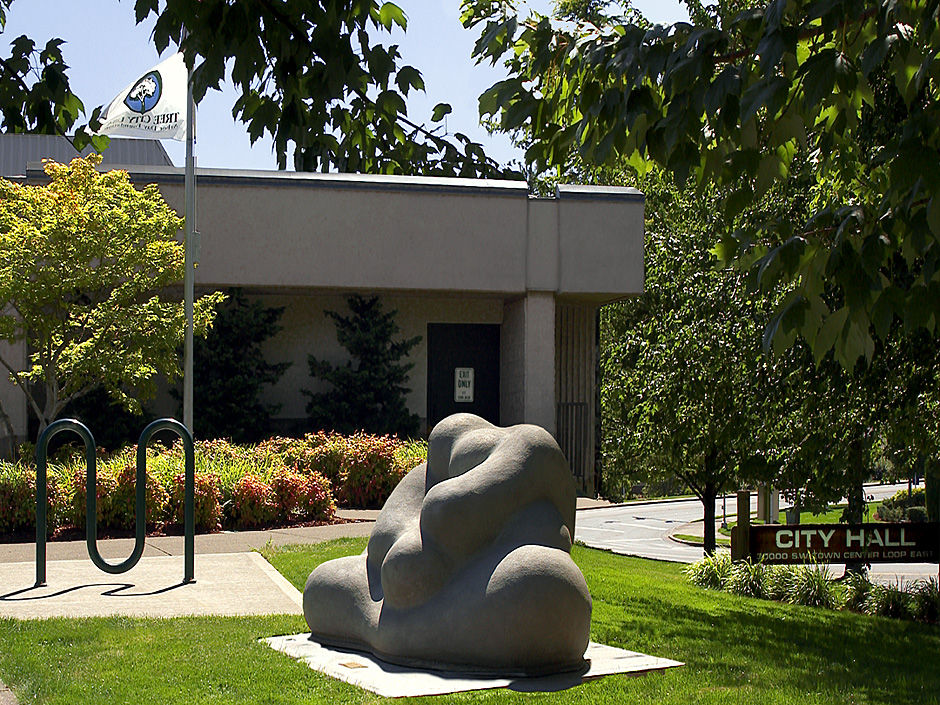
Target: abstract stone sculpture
{"x":468,"y":566}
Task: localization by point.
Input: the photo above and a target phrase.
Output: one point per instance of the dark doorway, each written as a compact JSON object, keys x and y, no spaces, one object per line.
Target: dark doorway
{"x":463,"y":370}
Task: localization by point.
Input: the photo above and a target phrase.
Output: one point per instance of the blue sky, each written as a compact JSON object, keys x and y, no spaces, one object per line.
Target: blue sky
{"x":106,"y":51}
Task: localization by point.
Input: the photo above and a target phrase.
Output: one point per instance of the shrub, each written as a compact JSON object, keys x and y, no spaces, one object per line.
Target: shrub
{"x":855,"y":593}
{"x":328,"y":459}
{"x":888,"y":601}
{"x":898,"y":506}
{"x":811,"y":586}
{"x":747,"y":579}
{"x":925,"y":601}
{"x":303,"y":497}
{"x":17,"y":498}
{"x":410,"y":454}
{"x":124,"y":499}
{"x":233,"y":371}
{"x":300,"y":454}
{"x":369,"y":392}
{"x":712,"y":572}
{"x":316,"y":500}
{"x":917,"y":514}
{"x":370,"y":471}
{"x":253,"y":503}
{"x":106,"y":484}
{"x":779,"y":582}
{"x":208,"y":496}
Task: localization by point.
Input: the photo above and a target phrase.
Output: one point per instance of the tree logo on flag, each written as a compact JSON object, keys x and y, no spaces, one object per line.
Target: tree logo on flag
{"x":145,"y":94}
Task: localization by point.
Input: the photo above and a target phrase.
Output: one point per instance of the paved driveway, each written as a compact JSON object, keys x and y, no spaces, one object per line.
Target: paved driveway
{"x":644,"y":529}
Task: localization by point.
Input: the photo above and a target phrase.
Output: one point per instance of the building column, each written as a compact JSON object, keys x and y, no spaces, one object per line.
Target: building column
{"x":527,"y":361}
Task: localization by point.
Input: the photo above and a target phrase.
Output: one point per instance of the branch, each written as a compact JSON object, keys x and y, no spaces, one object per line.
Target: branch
{"x":300,"y":35}
{"x":809,"y":33}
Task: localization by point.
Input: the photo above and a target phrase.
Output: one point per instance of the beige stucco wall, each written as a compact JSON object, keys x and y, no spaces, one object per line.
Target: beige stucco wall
{"x":527,"y":362}
{"x":306,"y":330}
{"x":354,"y":232}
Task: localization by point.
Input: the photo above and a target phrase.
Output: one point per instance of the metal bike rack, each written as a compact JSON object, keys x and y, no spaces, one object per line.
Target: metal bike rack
{"x":91,"y":497}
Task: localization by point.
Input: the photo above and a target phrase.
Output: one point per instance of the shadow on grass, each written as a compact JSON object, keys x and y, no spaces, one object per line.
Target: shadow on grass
{"x":733,"y":641}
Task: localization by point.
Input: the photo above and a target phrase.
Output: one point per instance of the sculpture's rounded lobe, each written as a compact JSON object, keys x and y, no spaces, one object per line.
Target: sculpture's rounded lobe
{"x":468,"y":566}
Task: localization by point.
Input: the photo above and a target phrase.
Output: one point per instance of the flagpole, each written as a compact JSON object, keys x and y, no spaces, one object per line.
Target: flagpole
{"x":189,"y":275}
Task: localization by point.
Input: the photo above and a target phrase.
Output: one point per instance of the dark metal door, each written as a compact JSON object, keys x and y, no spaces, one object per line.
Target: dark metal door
{"x":463,"y":370}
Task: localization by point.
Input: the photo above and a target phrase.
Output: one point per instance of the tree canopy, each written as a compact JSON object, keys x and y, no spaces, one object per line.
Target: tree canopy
{"x":83,"y":260}
{"x":35,"y":95}
{"x":734,"y":100}
{"x":312,"y":76}
{"x":687,"y":392}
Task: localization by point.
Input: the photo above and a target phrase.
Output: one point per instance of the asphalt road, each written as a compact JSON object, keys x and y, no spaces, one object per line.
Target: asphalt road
{"x":644,"y":529}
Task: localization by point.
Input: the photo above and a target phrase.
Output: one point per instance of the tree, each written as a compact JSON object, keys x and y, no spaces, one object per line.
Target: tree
{"x":82,"y":263}
{"x":310,"y":76}
{"x":369,"y":391}
{"x":35,"y":95}
{"x":731,"y":101}
{"x":687,"y":391}
{"x":233,"y":371}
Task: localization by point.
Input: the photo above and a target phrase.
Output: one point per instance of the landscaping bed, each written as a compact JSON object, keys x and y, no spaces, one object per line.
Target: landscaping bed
{"x":280,"y":482}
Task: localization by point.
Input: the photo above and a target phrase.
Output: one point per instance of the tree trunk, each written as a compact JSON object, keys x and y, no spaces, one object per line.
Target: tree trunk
{"x":8,"y":425}
{"x":855,"y":494}
{"x":932,"y":487}
{"x":709,"y":497}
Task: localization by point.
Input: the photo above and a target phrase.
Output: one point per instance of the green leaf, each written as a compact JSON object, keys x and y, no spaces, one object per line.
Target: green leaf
{"x":737,"y":201}
{"x":409,"y":77}
{"x":390,"y":13}
{"x":768,"y":93}
{"x":819,"y":77}
{"x":933,"y":216}
{"x":771,"y":169}
{"x":832,"y":329}
{"x":440,"y":110}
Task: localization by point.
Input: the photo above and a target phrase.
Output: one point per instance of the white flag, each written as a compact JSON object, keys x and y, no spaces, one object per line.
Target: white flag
{"x":153,"y":106}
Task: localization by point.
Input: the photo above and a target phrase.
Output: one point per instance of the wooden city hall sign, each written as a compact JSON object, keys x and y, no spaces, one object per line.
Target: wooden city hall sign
{"x":839,"y":543}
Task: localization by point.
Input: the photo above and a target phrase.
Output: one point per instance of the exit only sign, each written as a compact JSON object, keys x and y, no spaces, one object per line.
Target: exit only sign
{"x":463,"y":384}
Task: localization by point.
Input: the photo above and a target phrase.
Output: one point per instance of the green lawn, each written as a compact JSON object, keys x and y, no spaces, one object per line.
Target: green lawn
{"x":831,"y":516}
{"x":737,"y":650}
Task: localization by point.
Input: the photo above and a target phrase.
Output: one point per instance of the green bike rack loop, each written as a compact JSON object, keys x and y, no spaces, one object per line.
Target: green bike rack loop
{"x":91,"y":499}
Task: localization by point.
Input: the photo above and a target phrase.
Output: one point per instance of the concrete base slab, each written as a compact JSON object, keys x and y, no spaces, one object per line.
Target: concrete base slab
{"x":234,"y":584}
{"x":387,"y":680}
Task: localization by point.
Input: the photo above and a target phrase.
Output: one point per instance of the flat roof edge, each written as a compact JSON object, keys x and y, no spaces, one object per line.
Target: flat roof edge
{"x":581,"y":192}
{"x":249,"y":177}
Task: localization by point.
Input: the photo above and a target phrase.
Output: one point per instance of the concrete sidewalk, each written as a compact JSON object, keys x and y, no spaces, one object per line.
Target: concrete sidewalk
{"x":231,"y":577}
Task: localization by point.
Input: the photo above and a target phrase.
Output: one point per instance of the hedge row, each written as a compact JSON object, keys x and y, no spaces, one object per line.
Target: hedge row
{"x":279,"y":481}
{"x":904,"y":506}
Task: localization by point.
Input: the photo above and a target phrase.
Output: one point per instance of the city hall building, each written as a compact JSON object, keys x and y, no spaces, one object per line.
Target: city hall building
{"x":503,"y":288}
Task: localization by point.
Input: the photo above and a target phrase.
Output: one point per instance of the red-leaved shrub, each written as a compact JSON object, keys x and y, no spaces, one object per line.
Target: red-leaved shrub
{"x":208,"y":504}
{"x":302,"y":497}
{"x":253,"y":503}
{"x":124,"y":499}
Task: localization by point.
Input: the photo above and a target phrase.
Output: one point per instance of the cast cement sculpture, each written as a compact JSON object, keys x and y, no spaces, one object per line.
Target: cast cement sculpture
{"x":468,"y":566}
